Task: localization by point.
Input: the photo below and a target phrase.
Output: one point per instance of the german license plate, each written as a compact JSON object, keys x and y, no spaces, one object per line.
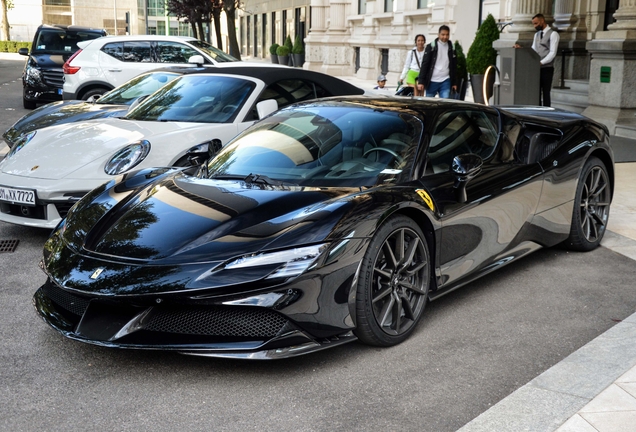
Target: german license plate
{"x":17,"y":196}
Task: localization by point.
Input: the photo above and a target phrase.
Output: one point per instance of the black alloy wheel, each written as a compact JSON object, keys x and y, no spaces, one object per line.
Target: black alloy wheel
{"x":393,"y":283}
{"x":591,"y":207}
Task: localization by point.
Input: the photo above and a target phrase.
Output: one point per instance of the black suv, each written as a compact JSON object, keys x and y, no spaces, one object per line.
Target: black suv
{"x":43,"y":78}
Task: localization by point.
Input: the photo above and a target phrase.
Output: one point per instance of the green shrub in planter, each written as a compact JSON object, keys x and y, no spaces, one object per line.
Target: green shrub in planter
{"x":272,"y":48}
{"x":481,"y":54}
{"x":462,"y":74}
{"x":26,"y":45}
{"x":3,"y":46}
{"x":282,"y":50}
{"x":298,"y":46}
{"x":288,"y":43}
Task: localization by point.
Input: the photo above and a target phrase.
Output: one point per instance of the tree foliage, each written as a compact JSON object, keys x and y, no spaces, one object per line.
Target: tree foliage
{"x":194,"y":12}
{"x":481,"y":54}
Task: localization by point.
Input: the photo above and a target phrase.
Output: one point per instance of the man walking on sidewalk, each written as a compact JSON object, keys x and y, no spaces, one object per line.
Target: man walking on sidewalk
{"x":439,"y":66}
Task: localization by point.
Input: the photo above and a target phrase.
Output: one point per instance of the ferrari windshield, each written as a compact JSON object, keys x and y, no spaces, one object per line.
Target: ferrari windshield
{"x":141,"y":85}
{"x":196,"y":98}
{"x":324,"y":145}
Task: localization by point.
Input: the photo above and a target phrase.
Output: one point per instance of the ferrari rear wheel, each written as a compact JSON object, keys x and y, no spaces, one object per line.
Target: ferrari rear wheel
{"x":591,"y":207}
{"x":393,"y":283}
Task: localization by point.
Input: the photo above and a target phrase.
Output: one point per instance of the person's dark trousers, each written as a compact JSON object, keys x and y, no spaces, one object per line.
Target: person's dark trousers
{"x":545,"y":85}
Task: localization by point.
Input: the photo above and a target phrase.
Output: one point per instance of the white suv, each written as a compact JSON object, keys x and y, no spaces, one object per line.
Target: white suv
{"x":105,"y":63}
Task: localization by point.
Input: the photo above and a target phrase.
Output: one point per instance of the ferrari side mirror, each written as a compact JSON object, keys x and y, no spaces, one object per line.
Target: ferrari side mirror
{"x":465,"y":167}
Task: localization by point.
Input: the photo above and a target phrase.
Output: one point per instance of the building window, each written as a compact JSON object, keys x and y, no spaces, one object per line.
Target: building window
{"x":264,"y":34}
{"x":384,"y":61}
{"x":388,"y":5}
{"x":356,"y":60}
{"x":157,"y":8}
{"x":421,"y":4}
{"x":362,"y":7}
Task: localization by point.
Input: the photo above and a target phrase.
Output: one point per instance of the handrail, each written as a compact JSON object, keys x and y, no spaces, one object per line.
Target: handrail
{"x":563,"y":54}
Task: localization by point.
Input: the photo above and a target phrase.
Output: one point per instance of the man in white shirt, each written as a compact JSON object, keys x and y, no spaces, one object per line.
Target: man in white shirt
{"x":545,"y":43}
{"x":439,"y":66}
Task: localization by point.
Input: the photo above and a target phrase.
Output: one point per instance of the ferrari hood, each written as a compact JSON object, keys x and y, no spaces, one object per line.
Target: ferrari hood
{"x":183,"y":219}
{"x":57,"y":152}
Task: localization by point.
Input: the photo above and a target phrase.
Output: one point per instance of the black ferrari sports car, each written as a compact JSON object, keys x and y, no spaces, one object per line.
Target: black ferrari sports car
{"x":328,"y":221}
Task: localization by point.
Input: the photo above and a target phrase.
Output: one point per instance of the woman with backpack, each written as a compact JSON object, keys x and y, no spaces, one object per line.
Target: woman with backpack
{"x":412,"y":65}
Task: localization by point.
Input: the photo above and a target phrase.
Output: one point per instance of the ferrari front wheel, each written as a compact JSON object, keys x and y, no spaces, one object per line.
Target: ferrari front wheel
{"x":393,"y":283}
{"x":591,"y":207}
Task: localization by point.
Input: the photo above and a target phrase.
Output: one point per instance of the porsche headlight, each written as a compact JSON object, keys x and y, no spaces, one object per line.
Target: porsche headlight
{"x":127,"y":158}
{"x":293,"y":261}
{"x":20,"y":142}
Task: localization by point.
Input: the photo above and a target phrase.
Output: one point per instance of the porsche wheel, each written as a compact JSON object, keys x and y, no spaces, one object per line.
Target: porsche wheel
{"x":591,"y":207}
{"x":393,"y":283}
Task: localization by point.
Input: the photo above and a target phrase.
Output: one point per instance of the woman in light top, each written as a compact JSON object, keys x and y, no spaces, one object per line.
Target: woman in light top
{"x":412,"y":65}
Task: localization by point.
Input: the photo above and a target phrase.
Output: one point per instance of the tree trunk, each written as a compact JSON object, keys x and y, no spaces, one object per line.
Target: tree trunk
{"x":194,"y":29}
{"x":216,"y":15}
{"x":6,"y":34}
{"x":201,"y":32}
{"x":230,"y":15}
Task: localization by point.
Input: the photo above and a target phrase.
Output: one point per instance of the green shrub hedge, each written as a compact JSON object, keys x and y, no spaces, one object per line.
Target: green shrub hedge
{"x":13,"y":46}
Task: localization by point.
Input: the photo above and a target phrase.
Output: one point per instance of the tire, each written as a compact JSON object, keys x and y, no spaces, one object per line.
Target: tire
{"x":393,"y":283}
{"x":27,"y":104}
{"x":99,"y":91}
{"x":591,"y":207}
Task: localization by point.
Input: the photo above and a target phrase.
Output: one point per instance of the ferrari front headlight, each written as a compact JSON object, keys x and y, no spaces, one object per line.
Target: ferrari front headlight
{"x":127,"y":158}
{"x":293,"y":261}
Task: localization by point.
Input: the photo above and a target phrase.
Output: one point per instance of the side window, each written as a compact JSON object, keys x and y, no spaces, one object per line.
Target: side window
{"x":138,"y":52}
{"x":459,"y":132}
{"x":115,"y":50}
{"x":290,"y":91}
{"x":174,"y":52}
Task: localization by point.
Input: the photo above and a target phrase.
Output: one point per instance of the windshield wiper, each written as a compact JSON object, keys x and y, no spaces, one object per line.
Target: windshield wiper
{"x":251,"y":178}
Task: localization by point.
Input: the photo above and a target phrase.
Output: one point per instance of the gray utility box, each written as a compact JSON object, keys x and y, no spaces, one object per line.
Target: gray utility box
{"x":519,"y":76}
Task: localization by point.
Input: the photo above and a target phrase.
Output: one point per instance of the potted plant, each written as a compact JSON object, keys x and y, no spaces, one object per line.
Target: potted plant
{"x":298,"y":52}
{"x":462,"y":74}
{"x":272,"y":52}
{"x":289,"y":45}
{"x":283,"y":54}
{"x":480,"y":55}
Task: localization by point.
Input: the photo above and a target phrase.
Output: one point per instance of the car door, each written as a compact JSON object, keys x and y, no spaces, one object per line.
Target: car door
{"x":122,"y":61}
{"x":492,"y":225}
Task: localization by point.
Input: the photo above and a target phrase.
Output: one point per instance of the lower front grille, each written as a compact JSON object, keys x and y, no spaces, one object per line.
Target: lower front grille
{"x":64,"y":299}
{"x":217,"y":321}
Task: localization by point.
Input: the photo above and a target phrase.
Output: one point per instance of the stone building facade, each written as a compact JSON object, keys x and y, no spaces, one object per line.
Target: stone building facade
{"x":362,"y":38}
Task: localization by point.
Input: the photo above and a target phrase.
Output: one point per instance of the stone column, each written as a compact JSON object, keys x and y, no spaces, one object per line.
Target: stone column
{"x":613,"y":99}
{"x":317,"y":34}
{"x":625,"y":16}
{"x":526,"y":9}
{"x":521,"y":31}
{"x":564,"y":14}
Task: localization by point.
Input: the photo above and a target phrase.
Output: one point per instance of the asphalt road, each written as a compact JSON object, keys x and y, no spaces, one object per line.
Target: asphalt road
{"x":473,"y":348}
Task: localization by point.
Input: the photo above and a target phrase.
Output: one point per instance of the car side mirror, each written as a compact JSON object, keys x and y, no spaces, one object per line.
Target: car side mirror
{"x":196,"y":59}
{"x":266,"y":107}
{"x":23,"y":51}
{"x":465,"y":167}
